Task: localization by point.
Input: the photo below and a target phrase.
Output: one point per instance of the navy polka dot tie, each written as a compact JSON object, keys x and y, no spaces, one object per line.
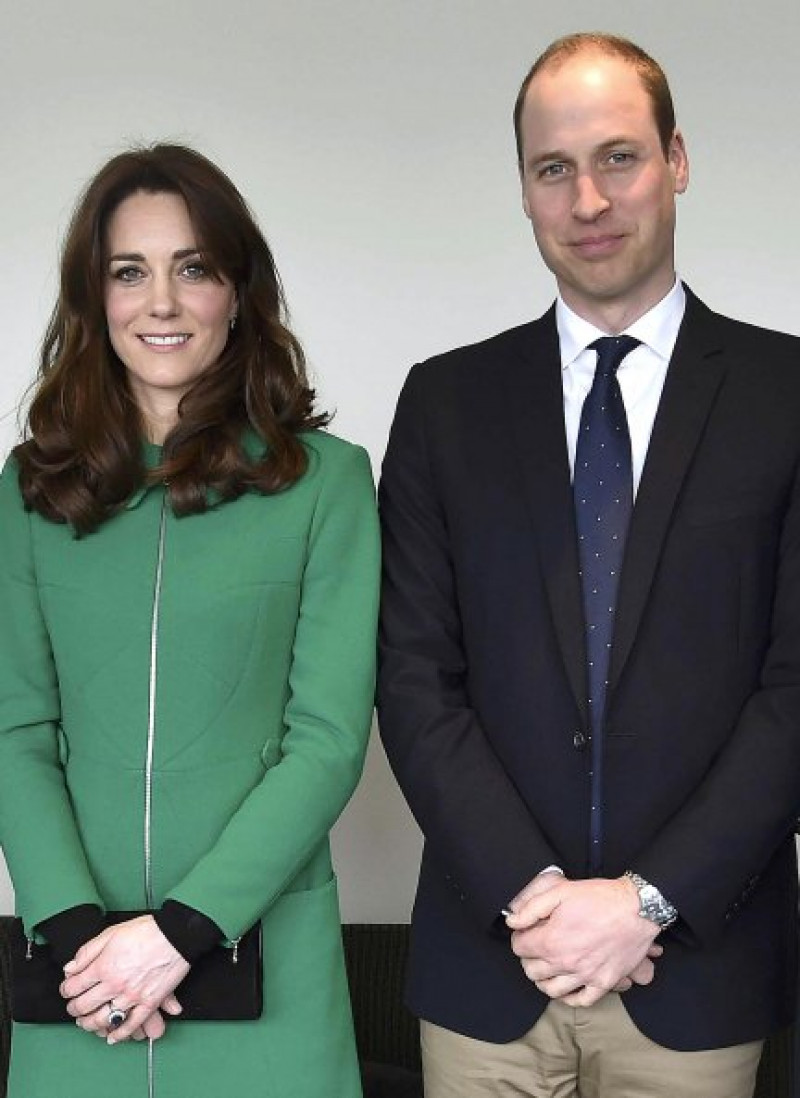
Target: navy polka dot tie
{"x":603,"y":491}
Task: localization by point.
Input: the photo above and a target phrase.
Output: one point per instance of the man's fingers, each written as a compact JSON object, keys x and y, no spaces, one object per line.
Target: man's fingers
{"x":643,"y":973}
{"x":585,"y":997}
{"x":539,"y":970}
{"x":521,"y":944}
{"x":569,"y":987}
{"x":542,"y":882}
{"x":535,"y":908}
{"x":558,"y":986}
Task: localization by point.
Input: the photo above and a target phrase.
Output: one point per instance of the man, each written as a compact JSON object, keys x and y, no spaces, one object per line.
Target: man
{"x":590,"y":681}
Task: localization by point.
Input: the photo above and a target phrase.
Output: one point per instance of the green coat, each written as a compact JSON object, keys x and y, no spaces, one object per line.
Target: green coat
{"x":257,"y":717}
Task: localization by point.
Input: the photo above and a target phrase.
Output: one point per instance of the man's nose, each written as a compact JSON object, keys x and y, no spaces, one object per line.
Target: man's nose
{"x":590,"y":201}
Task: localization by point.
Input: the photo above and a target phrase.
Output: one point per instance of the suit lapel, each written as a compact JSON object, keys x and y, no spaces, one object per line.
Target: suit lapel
{"x":695,"y":373}
{"x":538,"y":436}
{"x":693,"y":379}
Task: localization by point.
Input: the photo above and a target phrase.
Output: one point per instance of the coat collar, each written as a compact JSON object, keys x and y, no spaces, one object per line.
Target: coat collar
{"x":537,"y":422}
{"x":152,"y":455}
{"x":695,"y":373}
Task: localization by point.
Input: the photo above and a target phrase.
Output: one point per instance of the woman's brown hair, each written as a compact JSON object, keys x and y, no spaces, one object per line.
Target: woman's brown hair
{"x":82,"y":457}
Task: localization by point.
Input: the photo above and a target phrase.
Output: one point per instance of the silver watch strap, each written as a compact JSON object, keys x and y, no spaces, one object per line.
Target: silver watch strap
{"x":653,"y":904}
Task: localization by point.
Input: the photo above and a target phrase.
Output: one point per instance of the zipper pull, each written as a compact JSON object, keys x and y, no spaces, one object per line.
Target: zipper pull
{"x":29,"y":950}
{"x":235,"y":954}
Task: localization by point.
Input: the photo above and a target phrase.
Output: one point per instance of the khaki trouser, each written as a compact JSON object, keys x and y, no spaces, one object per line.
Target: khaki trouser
{"x":583,"y":1052}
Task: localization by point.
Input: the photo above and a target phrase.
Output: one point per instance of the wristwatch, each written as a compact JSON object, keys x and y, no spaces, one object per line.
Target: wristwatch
{"x":652,"y":905}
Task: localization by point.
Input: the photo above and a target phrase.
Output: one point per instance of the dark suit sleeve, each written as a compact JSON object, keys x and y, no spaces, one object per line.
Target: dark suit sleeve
{"x":475,"y":823}
{"x":708,"y":858}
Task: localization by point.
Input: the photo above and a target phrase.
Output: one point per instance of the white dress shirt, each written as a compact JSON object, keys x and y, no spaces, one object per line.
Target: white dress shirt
{"x":641,"y":373}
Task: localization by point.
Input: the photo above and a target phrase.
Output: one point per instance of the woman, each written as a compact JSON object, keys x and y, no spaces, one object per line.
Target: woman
{"x":188,"y":576}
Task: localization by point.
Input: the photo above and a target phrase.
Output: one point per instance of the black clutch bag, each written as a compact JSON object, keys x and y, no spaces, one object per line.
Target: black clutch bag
{"x":224,"y":985}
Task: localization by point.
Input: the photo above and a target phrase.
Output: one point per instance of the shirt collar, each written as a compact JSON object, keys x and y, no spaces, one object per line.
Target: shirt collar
{"x":657,"y":328}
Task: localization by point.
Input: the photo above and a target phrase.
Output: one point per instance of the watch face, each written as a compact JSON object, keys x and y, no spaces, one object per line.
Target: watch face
{"x":648,"y":895}
{"x":652,"y":905}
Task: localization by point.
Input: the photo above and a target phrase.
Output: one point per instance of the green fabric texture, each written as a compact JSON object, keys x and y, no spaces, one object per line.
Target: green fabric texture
{"x":265,"y":679}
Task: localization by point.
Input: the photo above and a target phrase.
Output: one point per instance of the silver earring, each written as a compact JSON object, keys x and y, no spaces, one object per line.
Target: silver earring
{"x":233,"y":321}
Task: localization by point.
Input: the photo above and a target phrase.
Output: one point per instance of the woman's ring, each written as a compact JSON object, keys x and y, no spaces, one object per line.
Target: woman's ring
{"x":116,"y":1015}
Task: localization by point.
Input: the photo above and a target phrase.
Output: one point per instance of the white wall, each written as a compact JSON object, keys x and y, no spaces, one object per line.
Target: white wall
{"x":373,"y":139}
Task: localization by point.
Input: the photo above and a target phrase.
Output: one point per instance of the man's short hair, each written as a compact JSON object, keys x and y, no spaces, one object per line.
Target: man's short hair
{"x":650,"y":73}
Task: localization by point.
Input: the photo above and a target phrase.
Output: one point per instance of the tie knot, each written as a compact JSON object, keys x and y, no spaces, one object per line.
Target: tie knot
{"x":611,"y":350}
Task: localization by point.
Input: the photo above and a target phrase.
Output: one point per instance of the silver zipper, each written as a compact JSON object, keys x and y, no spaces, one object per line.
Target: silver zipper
{"x":150,"y":1073}
{"x":151,"y":713}
{"x":151,"y":739}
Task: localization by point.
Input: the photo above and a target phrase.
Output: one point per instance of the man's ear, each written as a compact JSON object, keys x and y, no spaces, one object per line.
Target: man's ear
{"x":679,"y":162}
{"x":525,"y":204}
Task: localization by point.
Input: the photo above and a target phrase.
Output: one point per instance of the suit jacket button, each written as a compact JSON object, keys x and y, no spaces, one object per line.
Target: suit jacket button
{"x":579,"y":741}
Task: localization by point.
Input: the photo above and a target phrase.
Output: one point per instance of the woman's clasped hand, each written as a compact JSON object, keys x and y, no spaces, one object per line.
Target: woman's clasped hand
{"x":125,"y":975}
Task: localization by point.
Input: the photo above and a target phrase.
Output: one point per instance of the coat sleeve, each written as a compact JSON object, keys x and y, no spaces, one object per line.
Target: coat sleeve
{"x":38,"y":832}
{"x":474,"y":820}
{"x":709,"y":856}
{"x":327,"y":717}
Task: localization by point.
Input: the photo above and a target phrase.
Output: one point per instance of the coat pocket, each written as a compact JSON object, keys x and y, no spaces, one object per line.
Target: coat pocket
{"x":306,"y":1001}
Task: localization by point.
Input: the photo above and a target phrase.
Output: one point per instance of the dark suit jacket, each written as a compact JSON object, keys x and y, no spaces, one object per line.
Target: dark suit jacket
{"x":482,"y":693}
